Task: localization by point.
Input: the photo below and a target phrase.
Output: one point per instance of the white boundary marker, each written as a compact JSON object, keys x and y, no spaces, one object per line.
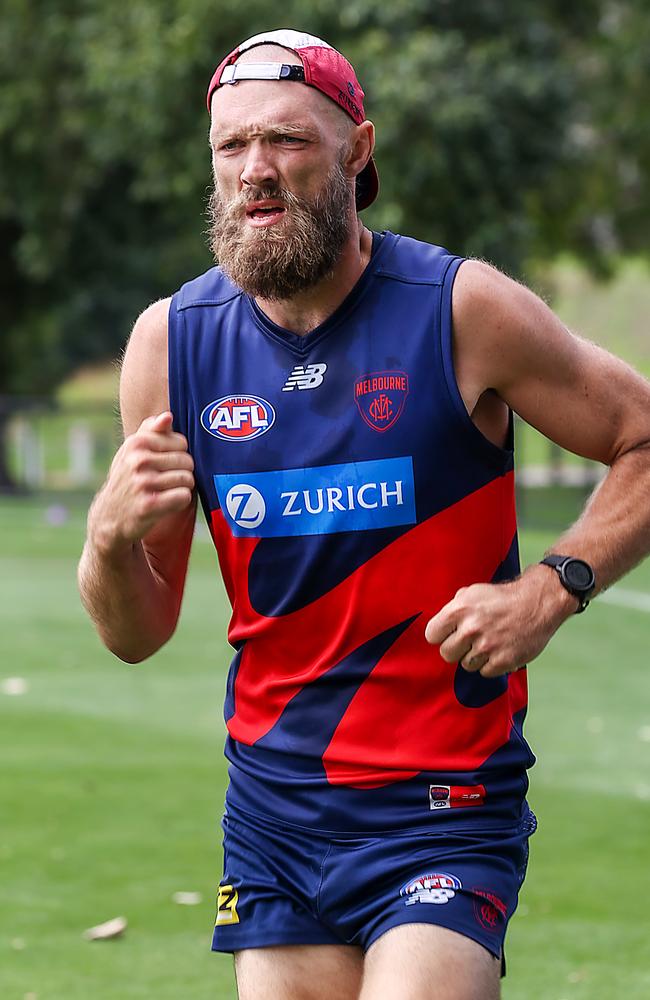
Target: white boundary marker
{"x":635,"y":599}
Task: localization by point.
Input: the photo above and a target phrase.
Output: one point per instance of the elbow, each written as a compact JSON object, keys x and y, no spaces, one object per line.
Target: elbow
{"x":128,"y":656}
{"x":135,"y":649}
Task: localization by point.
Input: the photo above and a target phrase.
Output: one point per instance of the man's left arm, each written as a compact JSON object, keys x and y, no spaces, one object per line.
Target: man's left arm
{"x":589,"y":402}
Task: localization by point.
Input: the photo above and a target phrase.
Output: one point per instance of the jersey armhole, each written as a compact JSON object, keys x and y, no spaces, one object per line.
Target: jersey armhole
{"x":176,"y":368}
{"x":492,"y":453}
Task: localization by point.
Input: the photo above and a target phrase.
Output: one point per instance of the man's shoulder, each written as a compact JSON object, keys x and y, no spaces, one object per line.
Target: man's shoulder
{"x":212,"y":288}
{"x":415,"y":261}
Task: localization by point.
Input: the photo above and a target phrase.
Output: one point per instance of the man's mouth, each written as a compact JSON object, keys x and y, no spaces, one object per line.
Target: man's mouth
{"x":264,"y":213}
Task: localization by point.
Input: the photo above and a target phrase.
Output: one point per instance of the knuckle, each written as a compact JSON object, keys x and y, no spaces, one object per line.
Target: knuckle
{"x":498,"y":665}
{"x":471,"y":627}
{"x":146,"y":503}
{"x":141,"y":479}
{"x":464,"y":634}
{"x":135,"y":439}
{"x":179,"y":500}
{"x":137,"y":458}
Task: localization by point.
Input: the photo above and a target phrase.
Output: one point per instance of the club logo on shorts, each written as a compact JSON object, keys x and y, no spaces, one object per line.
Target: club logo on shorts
{"x":456,"y":796}
{"x":438,"y":887}
{"x":238,"y":418}
{"x":489,"y":909}
{"x":227,"y":899}
{"x":380,"y":397}
{"x":439,"y":797}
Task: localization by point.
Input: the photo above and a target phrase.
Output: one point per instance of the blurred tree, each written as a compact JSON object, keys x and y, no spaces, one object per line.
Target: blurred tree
{"x":506,"y":128}
{"x":597,"y":201}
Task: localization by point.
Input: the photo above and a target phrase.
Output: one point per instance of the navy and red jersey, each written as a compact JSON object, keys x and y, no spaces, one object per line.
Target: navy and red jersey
{"x":349,"y":496}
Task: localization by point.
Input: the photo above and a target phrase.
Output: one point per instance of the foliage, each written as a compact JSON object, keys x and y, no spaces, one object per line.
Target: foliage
{"x":505,"y":129}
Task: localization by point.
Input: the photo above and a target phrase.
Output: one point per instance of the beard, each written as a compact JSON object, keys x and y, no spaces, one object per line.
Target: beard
{"x":277,"y":261}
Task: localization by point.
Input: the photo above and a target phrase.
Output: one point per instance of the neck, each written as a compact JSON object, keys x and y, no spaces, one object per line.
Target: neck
{"x":307,"y":310}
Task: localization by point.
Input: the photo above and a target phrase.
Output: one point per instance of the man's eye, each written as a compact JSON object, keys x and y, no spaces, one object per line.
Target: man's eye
{"x":228,"y":146}
{"x":290,"y":138}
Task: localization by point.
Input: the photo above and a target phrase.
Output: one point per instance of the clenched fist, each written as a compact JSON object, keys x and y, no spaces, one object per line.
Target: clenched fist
{"x":495,"y":628}
{"x":150,"y":477}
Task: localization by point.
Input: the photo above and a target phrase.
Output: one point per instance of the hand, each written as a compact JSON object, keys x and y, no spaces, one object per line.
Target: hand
{"x":150,"y":477}
{"x":495,"y":628}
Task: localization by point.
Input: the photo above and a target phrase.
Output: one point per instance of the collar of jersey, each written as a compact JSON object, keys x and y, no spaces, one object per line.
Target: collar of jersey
{"x":301,"y":344}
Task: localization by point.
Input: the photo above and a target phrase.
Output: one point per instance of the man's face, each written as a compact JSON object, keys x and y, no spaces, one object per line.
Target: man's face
{"x":281,"y":209}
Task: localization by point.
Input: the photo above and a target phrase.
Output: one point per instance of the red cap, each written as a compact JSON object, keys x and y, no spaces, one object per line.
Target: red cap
{"x":322,"y":67}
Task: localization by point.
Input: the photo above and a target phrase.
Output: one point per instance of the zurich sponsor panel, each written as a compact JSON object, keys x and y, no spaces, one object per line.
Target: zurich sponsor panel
{"x":354,"y":496}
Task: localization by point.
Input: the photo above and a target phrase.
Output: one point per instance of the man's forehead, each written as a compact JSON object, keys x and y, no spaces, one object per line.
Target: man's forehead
{"x":272,"y":102}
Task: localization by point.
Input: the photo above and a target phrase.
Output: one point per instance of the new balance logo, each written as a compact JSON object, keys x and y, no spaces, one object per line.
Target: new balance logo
{"x":305,"y":378}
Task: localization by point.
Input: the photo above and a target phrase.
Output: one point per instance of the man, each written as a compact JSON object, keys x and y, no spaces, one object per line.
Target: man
{"x":341,"y":406}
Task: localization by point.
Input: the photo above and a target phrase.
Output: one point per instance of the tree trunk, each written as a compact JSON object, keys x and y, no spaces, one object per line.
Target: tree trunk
{"x":8,"y":483}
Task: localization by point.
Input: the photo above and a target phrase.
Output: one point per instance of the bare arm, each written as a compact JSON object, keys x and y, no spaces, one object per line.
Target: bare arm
{"x":508,"y":341}
{"x":140,"y":525}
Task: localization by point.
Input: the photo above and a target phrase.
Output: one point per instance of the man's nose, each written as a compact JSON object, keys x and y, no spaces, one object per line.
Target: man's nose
{"x":259,"y":168}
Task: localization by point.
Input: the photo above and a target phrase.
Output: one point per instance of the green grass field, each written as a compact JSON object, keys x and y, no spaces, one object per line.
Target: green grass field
{"x":113,"y":782}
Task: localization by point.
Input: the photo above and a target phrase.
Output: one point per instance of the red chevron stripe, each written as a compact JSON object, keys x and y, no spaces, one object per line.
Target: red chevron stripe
{"x":405,"y":717}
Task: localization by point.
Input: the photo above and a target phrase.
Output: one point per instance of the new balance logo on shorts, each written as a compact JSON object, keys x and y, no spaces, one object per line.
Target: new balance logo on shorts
{"x":309,"y":377}
{"x":437,"y":887}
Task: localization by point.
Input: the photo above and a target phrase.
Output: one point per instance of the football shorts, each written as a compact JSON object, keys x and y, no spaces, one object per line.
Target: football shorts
{"x":284,"y":885}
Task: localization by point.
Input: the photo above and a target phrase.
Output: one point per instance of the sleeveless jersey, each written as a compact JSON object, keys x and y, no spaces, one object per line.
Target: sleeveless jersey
{"x":349,"y":496}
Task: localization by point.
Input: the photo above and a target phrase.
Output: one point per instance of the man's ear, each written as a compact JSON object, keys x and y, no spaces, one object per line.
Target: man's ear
{"x":362,"y":144}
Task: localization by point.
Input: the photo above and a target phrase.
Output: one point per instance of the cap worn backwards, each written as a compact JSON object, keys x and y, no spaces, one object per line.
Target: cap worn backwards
{"x":323,"y":68}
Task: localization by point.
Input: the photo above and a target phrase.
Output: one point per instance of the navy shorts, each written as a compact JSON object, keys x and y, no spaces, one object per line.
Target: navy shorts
{"x":284,"y":885}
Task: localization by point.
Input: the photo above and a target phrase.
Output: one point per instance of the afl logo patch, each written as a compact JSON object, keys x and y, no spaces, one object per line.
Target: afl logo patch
{"x":434,"y":887}
{"x":380,"y":397}
{"x":238,"y":418}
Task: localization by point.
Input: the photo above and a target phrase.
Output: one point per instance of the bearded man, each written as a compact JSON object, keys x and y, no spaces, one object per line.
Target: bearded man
{"x":340,"y":402}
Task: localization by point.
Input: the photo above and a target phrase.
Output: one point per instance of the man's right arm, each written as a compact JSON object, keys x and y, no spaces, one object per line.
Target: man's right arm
{"x":140,"y":525}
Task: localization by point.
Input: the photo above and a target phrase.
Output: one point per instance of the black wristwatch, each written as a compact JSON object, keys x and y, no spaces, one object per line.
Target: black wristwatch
{"x":576,"y":576}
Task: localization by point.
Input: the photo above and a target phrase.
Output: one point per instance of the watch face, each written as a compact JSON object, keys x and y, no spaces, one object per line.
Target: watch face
{"x":578,"y":575}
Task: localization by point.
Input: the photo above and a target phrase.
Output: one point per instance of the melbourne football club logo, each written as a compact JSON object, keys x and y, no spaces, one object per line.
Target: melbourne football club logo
{"x":456,"y":796}
{"x":439,"y":796}
{"x":380,"y":397}
{"x":438,"y":888}
{"x":238,"y":418}
{"x":489,"y":909}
